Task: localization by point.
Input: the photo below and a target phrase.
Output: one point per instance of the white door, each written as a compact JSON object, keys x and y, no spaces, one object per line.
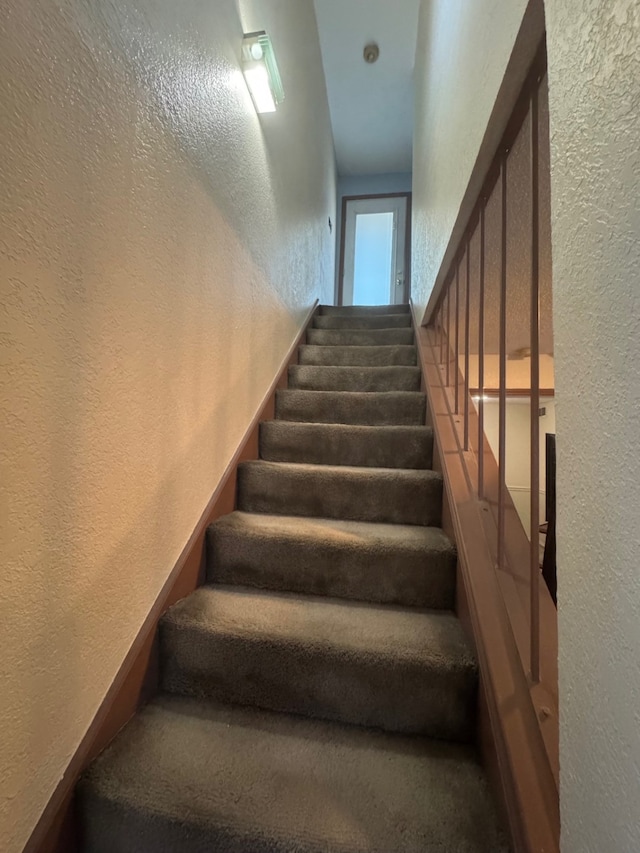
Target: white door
{"x":374,"y":251}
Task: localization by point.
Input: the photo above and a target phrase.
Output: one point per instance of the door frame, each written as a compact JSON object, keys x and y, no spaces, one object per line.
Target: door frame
{"x":407,"y":239}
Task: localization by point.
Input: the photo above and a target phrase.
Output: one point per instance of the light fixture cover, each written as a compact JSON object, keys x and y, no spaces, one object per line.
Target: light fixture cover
{"x":261,"y":72}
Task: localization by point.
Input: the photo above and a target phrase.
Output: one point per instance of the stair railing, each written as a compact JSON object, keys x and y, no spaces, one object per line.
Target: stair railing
{"x":490,"y":338}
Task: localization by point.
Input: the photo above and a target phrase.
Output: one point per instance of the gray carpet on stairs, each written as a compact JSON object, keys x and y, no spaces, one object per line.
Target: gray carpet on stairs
{"x":360,"y":337}
{"x":333,"y":378}
{"x":381,"y":321}
{"x":385,"y":356}
{"x":191,"y":777}
{"x":387,"y":563}
{"x":362,"y":310}
{"x":354,"y":407}
{"x":319,"y":692}
{"x":386,"y":495}
{"x":403,"y":670}
{"x":347,"y":444}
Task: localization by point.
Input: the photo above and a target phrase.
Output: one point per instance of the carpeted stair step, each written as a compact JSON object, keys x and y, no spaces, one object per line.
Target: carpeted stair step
{"x":312,"y":378}
{"x":397,"y":669}
{"x":360,"y":337}
{"x":385,"y":563}
{"x":362,"y":310}
{"x":346,"y":444}
{"x":385,"y":495}
{"x":384,"y":356}
{"x":190,"y":776}
{"x":352,"y":407}
{"x":355,"y":321}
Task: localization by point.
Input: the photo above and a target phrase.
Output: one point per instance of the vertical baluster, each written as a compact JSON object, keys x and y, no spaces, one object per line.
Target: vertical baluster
{"x":457,"y":338}
{"x":502,"y":423}
{"x":535,"y":396}
{"x":466,"y":352}
{"x":481,"y":361}
{"x":441,"y":321}
{"x":448,"y":330}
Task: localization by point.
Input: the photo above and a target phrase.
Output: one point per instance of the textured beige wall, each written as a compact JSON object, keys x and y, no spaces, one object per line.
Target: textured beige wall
{"x":594,"y":84}
{"x":159,"y":247}
{"x":462,"y":55}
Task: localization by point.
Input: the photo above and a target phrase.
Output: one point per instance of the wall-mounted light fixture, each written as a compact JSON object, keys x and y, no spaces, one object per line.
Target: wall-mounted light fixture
{"x":261,"y":72}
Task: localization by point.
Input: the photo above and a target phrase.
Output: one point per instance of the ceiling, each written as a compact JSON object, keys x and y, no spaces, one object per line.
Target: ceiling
{"x":371,"y":105}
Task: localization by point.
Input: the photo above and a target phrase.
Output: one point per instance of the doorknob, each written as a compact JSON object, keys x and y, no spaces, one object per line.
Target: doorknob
{"x":400,"y":279}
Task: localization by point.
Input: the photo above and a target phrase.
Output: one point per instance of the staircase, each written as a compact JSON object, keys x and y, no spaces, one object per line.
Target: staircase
{"x":318,"y":693}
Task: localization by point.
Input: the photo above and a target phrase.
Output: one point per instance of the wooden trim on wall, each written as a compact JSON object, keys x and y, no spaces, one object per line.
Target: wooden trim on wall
{"x":343,"y":231}
{"x":512,"y":392}
{"x":137,"y":678}
{"x":513,"y":738}
{"x":407,"y":239}
{"x":407,"y":249}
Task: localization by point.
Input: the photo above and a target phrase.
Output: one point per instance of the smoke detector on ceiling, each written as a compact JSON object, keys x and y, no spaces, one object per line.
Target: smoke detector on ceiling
{"x":371,"y":53}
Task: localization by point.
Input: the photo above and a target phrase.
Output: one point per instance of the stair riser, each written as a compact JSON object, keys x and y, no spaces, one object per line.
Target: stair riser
{"x":250,"y":781}
{"x":133,"y":832}
{"x":362,"y":310}
{"x":382,"y":321}
{"x":361,"y":571}
{"x":389,"y":498}
{"x":360,"y":337}
{"x":374,"y":447}
{"x":358,"y":356}
{"x":367,"y":379}
{"x":318,"y":682}
{"x":364,"y":409}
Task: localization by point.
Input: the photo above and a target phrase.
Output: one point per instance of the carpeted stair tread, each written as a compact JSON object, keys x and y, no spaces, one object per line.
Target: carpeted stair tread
{"x":313,"y":378}
{"x":327,"y":631}
{"x":398,"y":669}
{"x":346,"y":356}
{"x":194,"y":777}
{"x":352,"y":407}
{"x":346,"y":444}
{"x":385,"y":563}
{"x":386,"y":495}
{"x":362,"y":310}
{"x":360,"y":337}
{"x":357,"y":321}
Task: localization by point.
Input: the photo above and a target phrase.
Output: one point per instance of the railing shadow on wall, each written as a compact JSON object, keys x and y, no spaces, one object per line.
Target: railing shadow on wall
{"x":488,"y":339}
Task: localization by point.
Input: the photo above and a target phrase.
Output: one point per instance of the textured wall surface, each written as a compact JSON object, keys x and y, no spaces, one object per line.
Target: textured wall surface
{"x":594,"y":86}
{"x":457,"y":79}
{"x":159,"y":247}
